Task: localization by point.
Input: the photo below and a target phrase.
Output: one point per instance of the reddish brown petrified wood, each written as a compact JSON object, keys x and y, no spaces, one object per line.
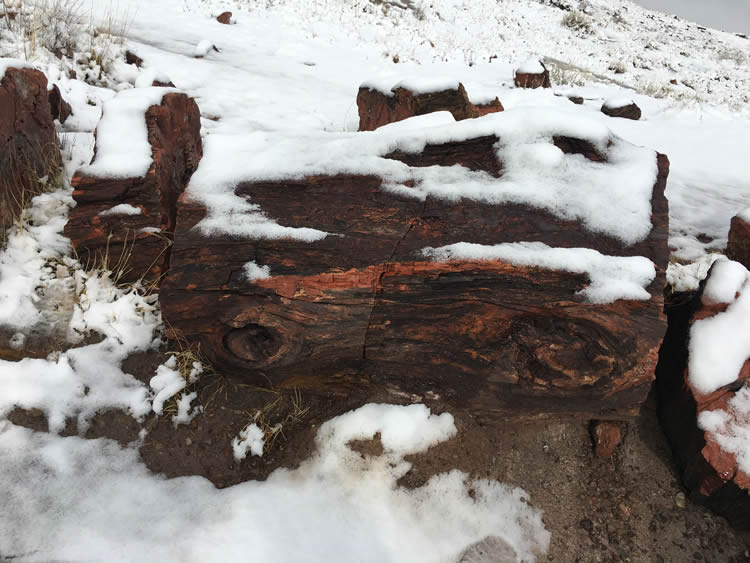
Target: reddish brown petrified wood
{"x":139,"y":245}
{"x":378,"y":108}
{"x":28,"y":141}
{"x":364,"y":309}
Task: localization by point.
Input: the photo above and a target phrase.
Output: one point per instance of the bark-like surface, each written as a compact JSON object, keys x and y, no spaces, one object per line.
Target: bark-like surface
{"x":367,"y":310}
{"x":139,"y":245}
{"x":28,"y":141}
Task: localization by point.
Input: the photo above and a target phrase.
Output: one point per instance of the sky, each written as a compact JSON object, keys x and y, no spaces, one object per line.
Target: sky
{"x":728,"y":15}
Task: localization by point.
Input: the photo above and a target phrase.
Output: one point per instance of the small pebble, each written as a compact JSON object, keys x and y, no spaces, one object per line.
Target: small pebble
{"x":679,"y":500}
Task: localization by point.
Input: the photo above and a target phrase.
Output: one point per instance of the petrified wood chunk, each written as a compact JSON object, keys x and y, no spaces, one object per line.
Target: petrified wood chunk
{"x":532,"y":75}
{"x":377,"y":108}
{"x":738,"y":246}
{"x":366,"y":309}
{"x":58,"y":106}
{"x":225,"y":18}
{"x":620,"y":108}
{"x":28,"y":141}
{"x":129,"y":222}
{"x":709,"y":471}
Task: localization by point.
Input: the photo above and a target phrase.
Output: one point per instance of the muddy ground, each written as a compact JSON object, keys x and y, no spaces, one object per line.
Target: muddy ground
{"x":626,"y":508}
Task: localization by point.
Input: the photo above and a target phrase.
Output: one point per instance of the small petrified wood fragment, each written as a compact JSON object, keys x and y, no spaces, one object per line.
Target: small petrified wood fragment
{"x":625,"y":111}
{"x":136,"y":243}
{"x":738,"y":246}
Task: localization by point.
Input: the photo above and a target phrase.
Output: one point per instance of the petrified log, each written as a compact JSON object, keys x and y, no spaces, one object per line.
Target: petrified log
{"x":377,"y":108}
{"x":129,"y":222}
{"x":28,"y":141}
{"x":738,"y":246}
{"x":532,"y":74}
{"x":709,"y":470}
{"x":622,"y":108}
{"x":367,"y":309}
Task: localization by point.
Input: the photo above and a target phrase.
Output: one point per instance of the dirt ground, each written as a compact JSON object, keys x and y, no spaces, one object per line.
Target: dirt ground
{"x":626,"y":508}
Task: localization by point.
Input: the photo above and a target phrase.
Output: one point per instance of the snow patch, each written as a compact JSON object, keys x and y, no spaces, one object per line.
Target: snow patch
{"x":122,"y":147}
{"x":122,"y":209}
{"x":731,"y":429}
{"x":612,"y":277}
{"x":531,"y":66}
{"x":250,"y":440}
{"x":253,"y":272}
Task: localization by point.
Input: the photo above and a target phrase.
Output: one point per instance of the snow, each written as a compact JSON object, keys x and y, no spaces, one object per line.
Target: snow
{"x":166,"y":383}
{"x":184,"y":413}
{"x":254,"y":272}
{"x":616,"y":103}
{"x":612,"y":277}
{"x":745,"y":215}
{"x":122,"y":147}
{"x":5,"y":64}
{"x":726,"y":281}
{"x":150,"y":75}
{"x":720,"y":345}
{"x":251,"y":439}
{"x":531,"y":66}
{"x":122,"y":209}
{"x":427,"y":86}
{"x":203,"y":48}
{"x":93,"y":500}
{"x":731,"y":428}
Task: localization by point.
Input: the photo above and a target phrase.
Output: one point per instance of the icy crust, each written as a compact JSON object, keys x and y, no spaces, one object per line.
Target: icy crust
{"x":612,"y":198}
{"x":90,"y":500}
{"x":612,"y":277}
{"x":720,"y":345}
{"x":731,"y":429}
{"x":122,"y":147}
{"x":5,"y":64}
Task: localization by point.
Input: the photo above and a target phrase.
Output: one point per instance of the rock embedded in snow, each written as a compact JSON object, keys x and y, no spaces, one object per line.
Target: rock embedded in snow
{"x":203,"y":48}
{"x":132,"y":59}
{"x":148,"y":145}
{"x":60,"y":109}
{"x":225,"y":18}
{"x":538,"y":317}
{"x":532,"y":74}
{"x":702,"y":385}
{"x":411,"y":98}
{"x":738,"y":246}
{"x":29,"y":147}
{"x":621,"y":107}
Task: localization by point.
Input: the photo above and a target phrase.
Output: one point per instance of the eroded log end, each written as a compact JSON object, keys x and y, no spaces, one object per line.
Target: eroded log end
{"x":128,"y":224}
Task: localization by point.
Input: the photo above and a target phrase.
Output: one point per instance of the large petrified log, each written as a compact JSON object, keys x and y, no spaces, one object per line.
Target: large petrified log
{"x":28,"y":142}
{"x":377,"y":108}
{"x":129,"y":222}
{"x":367,"y":309}
{"x":696,"y":420}
{"x":532,"y":74}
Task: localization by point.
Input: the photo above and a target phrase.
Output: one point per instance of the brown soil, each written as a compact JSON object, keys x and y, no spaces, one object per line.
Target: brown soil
{"x":626,"y":508}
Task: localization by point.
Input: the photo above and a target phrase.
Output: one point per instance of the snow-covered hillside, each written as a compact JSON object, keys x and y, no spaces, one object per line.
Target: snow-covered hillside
{"x":277,"y":97}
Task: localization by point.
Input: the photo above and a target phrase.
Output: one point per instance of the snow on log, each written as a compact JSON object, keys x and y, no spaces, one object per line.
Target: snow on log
{"x":378,"y":107}
{"x":148,"y":144}
{"x":549,"y":310}
{"x":703,"y":389}
{"x":29,"y":149}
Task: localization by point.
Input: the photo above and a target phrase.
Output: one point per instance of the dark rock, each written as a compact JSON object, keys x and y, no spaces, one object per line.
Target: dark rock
{"x":28,"y":141}
{"x":578,"y":100}
{"x":225,"y":18}
{"x":738,"y":246}
{"x":132,"y":59}
{"x":60,"y":109}
{"x":630,"y":111}
{"x":378,"y":108}
{"x":139,"y":245}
